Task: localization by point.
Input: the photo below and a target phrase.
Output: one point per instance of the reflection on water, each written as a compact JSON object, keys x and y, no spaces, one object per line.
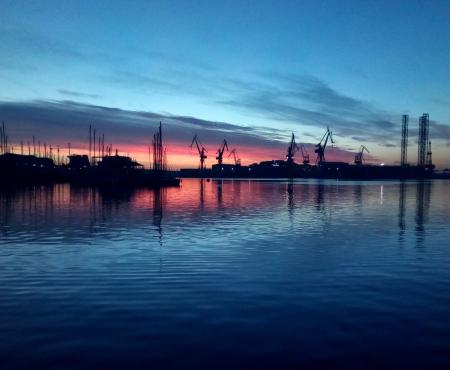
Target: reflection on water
{"x":219,"y":193}
{"x":423,"y":194}
{"x":226,"y":274}
{"x":401,"y":211}
{"x":290,"y":197}
{"x":158,"y":204}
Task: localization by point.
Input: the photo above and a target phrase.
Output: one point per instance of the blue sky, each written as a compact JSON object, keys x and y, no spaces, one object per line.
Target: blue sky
{"x":265,"y":67}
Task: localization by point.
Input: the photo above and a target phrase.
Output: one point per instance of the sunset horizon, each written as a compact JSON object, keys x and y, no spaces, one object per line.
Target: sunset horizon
{"x":233,"y":74}
{"x":253,"y":144}
{"x":224,"y":184}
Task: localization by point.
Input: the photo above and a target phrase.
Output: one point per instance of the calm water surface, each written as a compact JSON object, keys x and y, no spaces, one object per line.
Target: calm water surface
{"x":232,"y":274}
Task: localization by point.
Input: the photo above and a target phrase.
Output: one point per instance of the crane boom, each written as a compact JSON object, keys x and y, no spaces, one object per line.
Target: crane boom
{"x":321,"y":146}
{"x":305,"y":154}
{"x":292,"y":149}
{"x":220,"y":151}
{"x":201,"y":151}
{"x":359,"y":157}
{"x":195,"y":141}
{"x":237,"y":160}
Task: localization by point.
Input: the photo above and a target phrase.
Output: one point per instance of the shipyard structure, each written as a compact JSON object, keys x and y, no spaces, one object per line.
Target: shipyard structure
{"x":102,"y":165}
{"x":38,"y":164}
{"x":321,"y":168}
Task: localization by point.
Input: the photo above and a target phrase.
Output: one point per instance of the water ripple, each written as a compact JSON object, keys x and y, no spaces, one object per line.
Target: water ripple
{"x":227,"y":274}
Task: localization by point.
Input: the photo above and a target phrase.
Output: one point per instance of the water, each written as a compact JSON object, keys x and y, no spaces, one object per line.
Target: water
{"x":232,"y":274}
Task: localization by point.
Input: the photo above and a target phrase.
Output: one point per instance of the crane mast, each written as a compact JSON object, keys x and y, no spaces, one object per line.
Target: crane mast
{"x":321,"y":146}
{"x":292,"y":149}
{"x":359,"y":157}
{"x":237,"y":160}
{"x":220,"y":152}
{"x":305,"y":154}
{"x":201,"y":151}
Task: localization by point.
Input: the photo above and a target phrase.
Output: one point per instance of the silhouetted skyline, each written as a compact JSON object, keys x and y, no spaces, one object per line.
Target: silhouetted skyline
{"x":248,"y":72}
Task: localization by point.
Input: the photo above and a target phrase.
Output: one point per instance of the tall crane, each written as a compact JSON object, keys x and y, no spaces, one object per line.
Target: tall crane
{"x":292,"y":149}
{"x":320,"y":147}
{"x":237,"y":160}
{"x":201,"y":151}
{"x":305,"y":154}
{"x":359,"y":157}
{"x":221,"y":150}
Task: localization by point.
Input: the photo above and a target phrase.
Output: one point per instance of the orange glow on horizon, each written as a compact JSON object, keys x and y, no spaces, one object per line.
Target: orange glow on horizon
{"x":180,"y":155}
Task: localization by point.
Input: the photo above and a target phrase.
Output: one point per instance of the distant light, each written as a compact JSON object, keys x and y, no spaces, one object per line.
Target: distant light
{"x":381,"y":164}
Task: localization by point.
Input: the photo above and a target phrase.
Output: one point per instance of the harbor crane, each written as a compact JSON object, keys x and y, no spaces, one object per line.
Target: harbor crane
{"x":305,"y":154}
{"x":320,"y":147}
{"x":359,"y":157}
{"x":201,"y":151}
{"x":220,"y":152}
{"x":292,"y":149}
{"x":237,"y":160}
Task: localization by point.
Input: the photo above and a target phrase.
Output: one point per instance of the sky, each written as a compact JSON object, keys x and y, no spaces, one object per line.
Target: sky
{"x":250,"y":72}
